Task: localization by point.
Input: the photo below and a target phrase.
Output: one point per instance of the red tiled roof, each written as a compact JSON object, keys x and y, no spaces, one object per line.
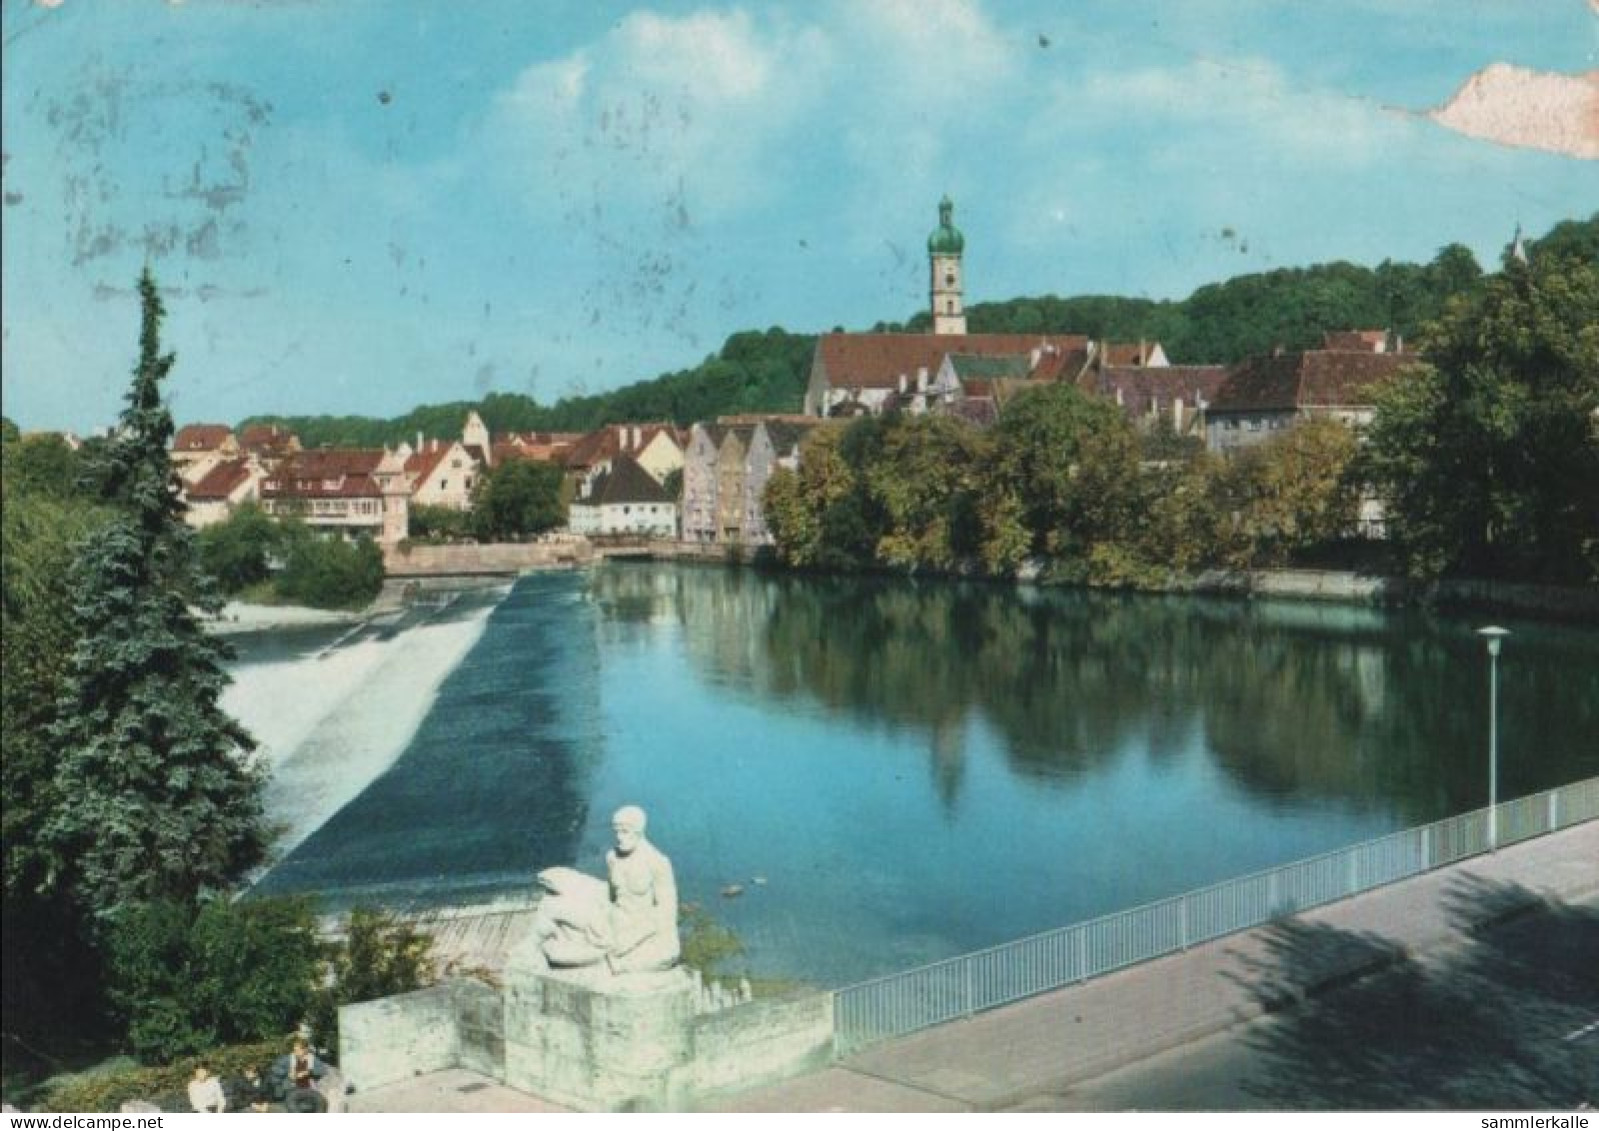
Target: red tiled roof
{"x":1140,"y":384}
{"x":200,"y":437}
{"x":266,"y":438}
{"x":1320,"y":378}
{"x":325,"y":473}
{"x":604,"y":443}
{"x":1059,"y":365}
{"x":419,"y":465}
{"x":877,"y":361}
{"x":221,"y":481}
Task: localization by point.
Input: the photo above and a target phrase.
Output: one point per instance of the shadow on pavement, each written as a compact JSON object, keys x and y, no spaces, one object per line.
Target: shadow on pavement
{"x":1497,"y":1022}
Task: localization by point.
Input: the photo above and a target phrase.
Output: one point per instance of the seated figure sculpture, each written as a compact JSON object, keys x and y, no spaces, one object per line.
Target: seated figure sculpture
{"x":628,"y":925}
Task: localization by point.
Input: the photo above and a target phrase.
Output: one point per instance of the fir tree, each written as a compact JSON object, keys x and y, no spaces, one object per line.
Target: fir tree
{"x":159,"y":794}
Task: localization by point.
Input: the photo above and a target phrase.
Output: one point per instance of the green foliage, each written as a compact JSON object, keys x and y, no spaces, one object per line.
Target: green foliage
{"x":1488,"y":460}
{"x":517,"y":499}
{"x":50,"y":983}
{"x":44,"y":465}
{"x":380,"y":955}
{"x":755,"y":371}
{"x":1288,"y":495}
{"x":103,"y":1090}
{"x":329,"y":573}
{"x":237,"y":551}
{"x":156,"y":794}
{"x":1069,"y":461}
{"x":185,"y":979}
{"x":439,"y":524}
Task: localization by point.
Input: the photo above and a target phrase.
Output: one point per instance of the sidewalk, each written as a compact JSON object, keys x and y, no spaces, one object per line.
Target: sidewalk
{"x":1047,"y":1043}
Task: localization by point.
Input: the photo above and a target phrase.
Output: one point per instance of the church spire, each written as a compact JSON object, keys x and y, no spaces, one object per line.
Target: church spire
{"x":944,"y":248}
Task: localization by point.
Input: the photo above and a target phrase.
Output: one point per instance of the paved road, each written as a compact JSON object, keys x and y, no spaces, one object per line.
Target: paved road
{"x":1502,"y":1020}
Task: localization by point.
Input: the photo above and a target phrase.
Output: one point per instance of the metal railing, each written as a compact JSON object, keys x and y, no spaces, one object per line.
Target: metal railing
{"x":898,"y":1004}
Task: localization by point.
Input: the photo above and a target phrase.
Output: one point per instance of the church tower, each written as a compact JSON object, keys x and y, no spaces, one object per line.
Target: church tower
{"x":944,"y":249}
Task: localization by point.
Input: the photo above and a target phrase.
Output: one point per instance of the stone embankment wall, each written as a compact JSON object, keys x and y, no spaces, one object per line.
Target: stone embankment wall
{"x":585,"y":1048}
{"x":1564,"y":602}
{"x":455,"y":1024}
{"x":420,"y":560}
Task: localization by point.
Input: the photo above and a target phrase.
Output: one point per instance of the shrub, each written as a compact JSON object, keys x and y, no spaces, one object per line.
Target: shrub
{"x":237,"y":550}
{"x":187,"y":979}
{"x":103,"y":1090}
{"x":380,"y":955}
{"x":331,"y":573}
{"x":439,"y":524}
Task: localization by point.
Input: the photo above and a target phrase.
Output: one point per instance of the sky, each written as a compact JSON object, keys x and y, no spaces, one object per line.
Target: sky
{"x":360,"y":206}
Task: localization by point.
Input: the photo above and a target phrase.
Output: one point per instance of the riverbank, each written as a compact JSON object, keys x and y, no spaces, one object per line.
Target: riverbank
{"x":330,"y":720}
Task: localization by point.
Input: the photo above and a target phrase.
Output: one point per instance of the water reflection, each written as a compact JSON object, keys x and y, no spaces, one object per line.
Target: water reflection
{"x":1378,"y":710}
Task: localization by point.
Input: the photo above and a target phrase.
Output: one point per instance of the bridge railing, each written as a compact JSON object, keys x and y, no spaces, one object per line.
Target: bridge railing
{"x":902,"y":1003}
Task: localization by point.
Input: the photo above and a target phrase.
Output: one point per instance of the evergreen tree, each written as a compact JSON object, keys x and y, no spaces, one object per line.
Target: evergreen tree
{"x":158,"y":795}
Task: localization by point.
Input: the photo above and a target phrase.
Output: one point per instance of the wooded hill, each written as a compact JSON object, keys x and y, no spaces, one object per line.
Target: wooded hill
{"x":766,"y":371}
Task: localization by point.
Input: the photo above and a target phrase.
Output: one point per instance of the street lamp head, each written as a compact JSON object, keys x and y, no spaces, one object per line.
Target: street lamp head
{"x":1493,"y":634}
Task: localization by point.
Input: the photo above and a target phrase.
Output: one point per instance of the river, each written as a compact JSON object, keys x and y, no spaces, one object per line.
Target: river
{"x":891,"y":772}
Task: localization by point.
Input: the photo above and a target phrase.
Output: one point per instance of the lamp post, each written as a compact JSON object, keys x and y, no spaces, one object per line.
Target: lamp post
{"x":1494,"y":636}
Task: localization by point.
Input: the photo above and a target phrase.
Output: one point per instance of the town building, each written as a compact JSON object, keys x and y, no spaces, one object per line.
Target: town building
{"x":347,"y":493}
{"x":625,"y":500}
{"x":440,"y":473}
{"x":228,"y":485}
{"x":197,"y":448}
{"x":725,"y":472}
{"x":1262,"y":396}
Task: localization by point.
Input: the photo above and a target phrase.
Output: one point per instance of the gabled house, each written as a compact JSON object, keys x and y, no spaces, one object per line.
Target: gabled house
{"x":441,"y":474}
{"x":625,"y":500}
{"x":226,"y":486}
{"x":856,"y":373}
{"x":1262,"y":396}
{"x":725,"y":472}
{"x":197,"y":448}
{"x":1178,"y":395}
{"x":342,"y":492}
{"x":268,"y":441}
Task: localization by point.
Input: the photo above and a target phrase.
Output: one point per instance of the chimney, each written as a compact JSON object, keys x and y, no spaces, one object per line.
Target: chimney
{"x":419,"y":447}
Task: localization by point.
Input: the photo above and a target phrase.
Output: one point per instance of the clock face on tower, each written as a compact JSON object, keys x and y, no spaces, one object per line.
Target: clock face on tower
{"x":949,"y":279}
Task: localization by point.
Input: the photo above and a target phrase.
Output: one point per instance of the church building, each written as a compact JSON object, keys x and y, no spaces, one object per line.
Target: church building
{"x":868,"y":374}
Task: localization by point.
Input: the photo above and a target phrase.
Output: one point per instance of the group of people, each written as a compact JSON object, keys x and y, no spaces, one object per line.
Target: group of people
{"x":293,"y":1080}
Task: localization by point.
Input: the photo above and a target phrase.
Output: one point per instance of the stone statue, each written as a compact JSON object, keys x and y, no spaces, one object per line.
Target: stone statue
{"x":629,"y":925}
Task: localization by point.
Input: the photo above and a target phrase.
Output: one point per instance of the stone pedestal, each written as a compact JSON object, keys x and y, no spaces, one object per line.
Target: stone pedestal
{"x":596,"y":1043}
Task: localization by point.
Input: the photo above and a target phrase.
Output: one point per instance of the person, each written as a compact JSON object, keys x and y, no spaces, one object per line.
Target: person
{"x":628,"y":923}
{"x":299,"y":1071}
{"x":247,"y":1092}
{"x":205,"y":1091}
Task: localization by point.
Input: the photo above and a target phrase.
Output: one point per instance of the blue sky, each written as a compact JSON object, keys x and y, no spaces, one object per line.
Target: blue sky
{"x":357,"y":207}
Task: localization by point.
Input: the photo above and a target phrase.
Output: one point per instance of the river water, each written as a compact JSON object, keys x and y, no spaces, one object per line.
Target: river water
{"x":894,"y":772}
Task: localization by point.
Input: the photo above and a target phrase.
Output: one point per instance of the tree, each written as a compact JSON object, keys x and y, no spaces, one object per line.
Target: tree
{"x":1488,"y":458}
{"x":158,"y":794}
{"x":1069,"y":462}
{"x":51,"y":985}
{"x":1292,"y":493}
{"x":927,"y":480}
{"x":516,"y":499}
{"x":186,"y":979}
{"x":236,"y":552}
{"x":328,"y":573}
